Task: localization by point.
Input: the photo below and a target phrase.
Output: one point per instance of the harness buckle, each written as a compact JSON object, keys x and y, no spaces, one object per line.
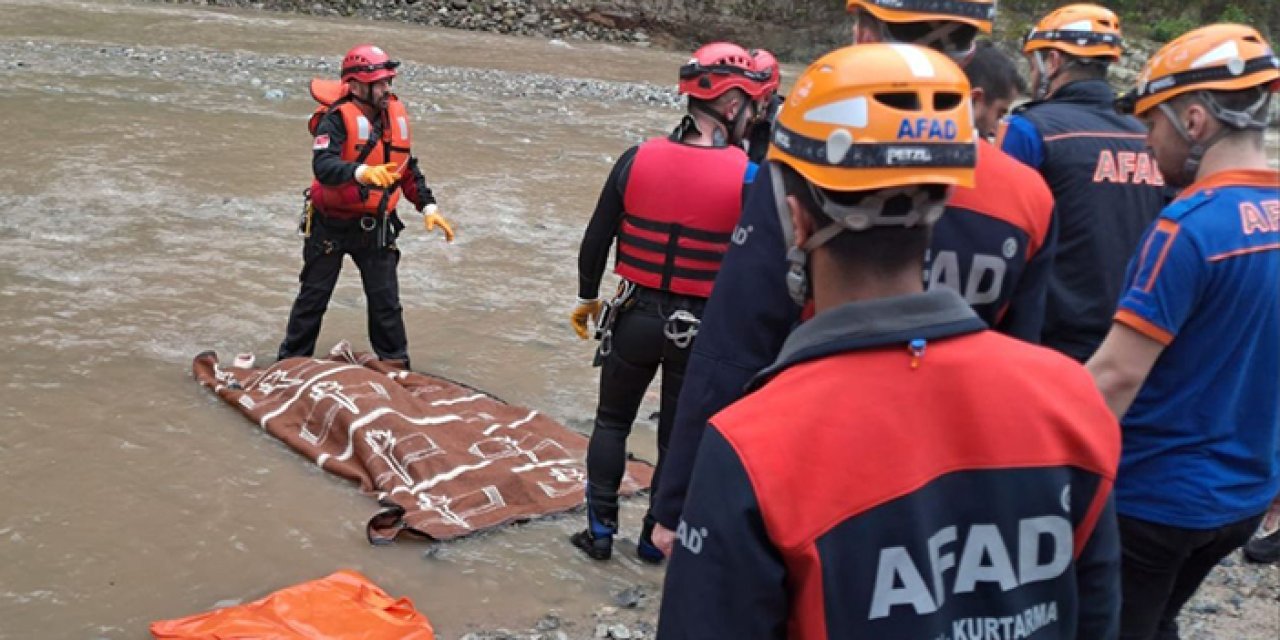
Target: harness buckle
{"x":368,"y":223}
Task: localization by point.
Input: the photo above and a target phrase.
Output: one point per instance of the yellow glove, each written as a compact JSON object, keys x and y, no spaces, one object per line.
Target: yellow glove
{"x":378,"y":175}
{"x":430,"y":218}
{"x":586,"y":310}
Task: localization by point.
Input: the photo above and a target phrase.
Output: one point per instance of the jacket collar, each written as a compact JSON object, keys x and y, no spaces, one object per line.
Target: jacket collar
{"x":938,"y":313}
{"x":1086,"y":91}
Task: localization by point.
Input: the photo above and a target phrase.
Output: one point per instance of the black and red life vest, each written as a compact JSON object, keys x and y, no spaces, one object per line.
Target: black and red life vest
{"x":681,"y":203}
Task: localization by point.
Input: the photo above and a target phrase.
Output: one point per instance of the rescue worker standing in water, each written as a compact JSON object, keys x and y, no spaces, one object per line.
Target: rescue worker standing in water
{"x":671,"y":204}
{"x":361,"y":162}
{"x":767,"y":108}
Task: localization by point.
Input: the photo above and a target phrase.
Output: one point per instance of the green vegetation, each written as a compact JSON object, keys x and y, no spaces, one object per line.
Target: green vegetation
{"x":1163,"y":20}
{"x":1166,"y":29}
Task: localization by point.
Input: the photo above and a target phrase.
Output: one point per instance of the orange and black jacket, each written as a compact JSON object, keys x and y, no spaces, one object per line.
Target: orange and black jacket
{"x":867,"y":490}
{"x":995,"y":245}
{"x":334,"y":162}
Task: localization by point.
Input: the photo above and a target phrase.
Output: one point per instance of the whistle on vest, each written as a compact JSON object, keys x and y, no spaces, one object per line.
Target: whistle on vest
{"x":916,"y":348}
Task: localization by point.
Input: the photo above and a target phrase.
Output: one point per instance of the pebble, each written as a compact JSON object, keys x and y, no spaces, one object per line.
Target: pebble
{"x":548,"y":622}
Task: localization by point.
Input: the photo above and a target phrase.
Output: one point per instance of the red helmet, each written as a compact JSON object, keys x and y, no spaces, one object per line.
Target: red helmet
{"x":765,"y":61}
{"x":367,"y":63}
{"x":718,"y":67}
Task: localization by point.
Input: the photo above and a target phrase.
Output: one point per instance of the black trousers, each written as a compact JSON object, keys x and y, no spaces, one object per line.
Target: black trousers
{"x":377,"y":258}
{"x":639,"y":348}
{"x":1162,"y":568}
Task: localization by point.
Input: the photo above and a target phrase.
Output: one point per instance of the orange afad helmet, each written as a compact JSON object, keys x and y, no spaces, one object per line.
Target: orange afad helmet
{"x":1219,"y":57}
{"x":978,"y":13}
{"x":1083,"y":30}
{"x":878,"y":116}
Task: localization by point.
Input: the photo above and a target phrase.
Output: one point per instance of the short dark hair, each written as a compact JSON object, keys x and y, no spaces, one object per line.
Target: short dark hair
{"x":994,"y":72}
{"x":1086,"y":68}
{"x":1239,"y":100}
{"x":881,"y":251}
{"x":960,"y":37}
{"x":720,"y":100}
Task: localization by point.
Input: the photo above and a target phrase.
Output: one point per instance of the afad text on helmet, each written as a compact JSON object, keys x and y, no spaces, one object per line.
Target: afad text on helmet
{"x":927,"y":129}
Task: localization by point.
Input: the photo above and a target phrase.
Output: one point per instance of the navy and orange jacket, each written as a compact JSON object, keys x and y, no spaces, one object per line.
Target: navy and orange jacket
{"x":994,"y":244}
{"x":1107,"y":190}
{"x":866,"y":491}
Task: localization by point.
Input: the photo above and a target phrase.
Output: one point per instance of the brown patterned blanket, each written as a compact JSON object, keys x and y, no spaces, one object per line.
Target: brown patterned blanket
{"x":442,"y":459}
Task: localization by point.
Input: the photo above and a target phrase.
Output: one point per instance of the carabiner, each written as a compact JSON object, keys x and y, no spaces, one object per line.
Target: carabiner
{"x":681,"y":328}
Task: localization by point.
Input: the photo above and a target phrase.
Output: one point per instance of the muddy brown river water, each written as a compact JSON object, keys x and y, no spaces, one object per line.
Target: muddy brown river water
{"x":147,"y":210}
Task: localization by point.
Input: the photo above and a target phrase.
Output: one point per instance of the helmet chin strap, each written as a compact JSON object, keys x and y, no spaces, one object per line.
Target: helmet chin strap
{"x":939,"y":39}
{"x":1195,"y":149}
{"x":942,"y":37}
{"x":798,"y":281}
{"x":1042,"y":87}
{"x":729,"y":134}
{"x":364,"y":100}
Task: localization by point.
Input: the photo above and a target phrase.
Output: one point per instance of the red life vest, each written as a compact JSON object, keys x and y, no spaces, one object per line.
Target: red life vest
{"x":345,"y":201}
{"x":681,"y":204}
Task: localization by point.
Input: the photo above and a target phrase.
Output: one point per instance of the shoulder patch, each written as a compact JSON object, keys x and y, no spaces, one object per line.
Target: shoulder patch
{"x":321,"y":142}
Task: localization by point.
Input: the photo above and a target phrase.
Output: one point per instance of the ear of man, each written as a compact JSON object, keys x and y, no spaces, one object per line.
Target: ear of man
{"x":801,"y":221}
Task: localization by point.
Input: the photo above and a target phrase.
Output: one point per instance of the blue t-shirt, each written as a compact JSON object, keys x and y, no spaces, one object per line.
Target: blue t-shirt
{"x":1202,"y":439}
{"x":1022,"y":141}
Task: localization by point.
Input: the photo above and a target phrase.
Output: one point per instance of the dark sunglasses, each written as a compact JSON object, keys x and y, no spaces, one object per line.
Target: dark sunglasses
{"x":389,"y":65}
{"x":695,"y":69}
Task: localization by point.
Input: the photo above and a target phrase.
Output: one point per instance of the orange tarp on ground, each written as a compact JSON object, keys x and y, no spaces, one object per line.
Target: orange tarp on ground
{"x":442,"y":459}
{"x":343,"y":606}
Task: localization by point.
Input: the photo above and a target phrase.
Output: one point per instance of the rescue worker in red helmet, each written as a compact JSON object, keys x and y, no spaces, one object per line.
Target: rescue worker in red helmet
{"x":767,"y":108}
{"x":670,"y":203}
{"x":362,"y":163}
